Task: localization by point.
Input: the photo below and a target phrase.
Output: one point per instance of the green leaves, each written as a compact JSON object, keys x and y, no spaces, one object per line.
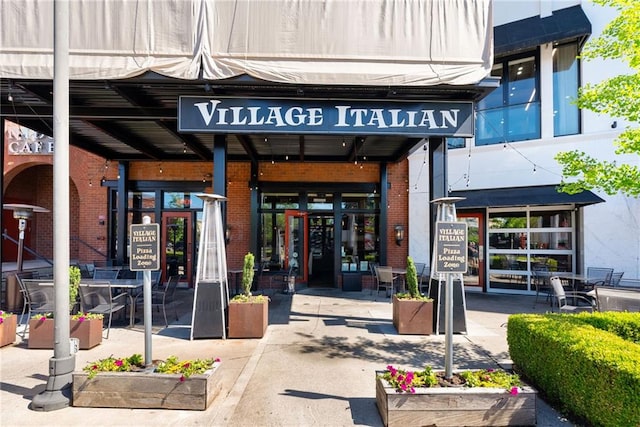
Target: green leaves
{"x":618,"y":96}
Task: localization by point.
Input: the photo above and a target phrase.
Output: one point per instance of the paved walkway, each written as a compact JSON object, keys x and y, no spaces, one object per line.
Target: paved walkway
{"x":315,"y":366}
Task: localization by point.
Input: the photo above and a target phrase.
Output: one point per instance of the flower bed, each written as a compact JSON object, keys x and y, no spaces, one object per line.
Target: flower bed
{"x":126,"y":383}
{"x":479,"y":398}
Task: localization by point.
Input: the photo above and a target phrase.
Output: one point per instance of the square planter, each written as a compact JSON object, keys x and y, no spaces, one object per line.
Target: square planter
{"x":411,"y":317}
{"x":455,"y":406}
{"x":146,"y":389}
{"x":8,"y":330}
{"x":248,"y":319}
{"x":88,"y":332}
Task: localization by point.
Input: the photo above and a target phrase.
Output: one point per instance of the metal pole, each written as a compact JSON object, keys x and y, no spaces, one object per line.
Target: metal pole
{"x":57,"y":394}
{"x":22,"y":226}
{"x":148,"y":359}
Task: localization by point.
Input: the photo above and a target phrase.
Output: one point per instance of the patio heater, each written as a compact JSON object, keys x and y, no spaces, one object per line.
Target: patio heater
{"x":22,"y":213}
{"x":211,"y":296}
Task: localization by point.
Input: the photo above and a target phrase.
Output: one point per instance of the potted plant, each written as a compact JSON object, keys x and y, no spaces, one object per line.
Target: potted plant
{"x":74,"y":283}
{"x":482,"y":397}
{"x":126,"y":382}
{"x":412,"y":312}
{"x":8,"y":324}
{"x":86,"y":327}
{"x":248,"y":314}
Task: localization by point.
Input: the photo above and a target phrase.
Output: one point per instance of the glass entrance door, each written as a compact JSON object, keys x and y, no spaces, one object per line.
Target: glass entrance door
{"x":321,"y":249}
{"x":177,"y":256}
{"x":475,"y":248}
{"x":296,"y":245}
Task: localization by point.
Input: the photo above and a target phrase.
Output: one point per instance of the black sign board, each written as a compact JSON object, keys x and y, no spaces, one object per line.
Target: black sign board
{"x":145,"y":247}
{"x":451,"y":247}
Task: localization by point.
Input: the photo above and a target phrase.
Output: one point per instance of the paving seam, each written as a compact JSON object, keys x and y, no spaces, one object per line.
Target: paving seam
{"x":228,"y":406}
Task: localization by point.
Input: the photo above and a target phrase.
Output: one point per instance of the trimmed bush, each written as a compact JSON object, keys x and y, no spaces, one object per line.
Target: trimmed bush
{"x":591,"y":373}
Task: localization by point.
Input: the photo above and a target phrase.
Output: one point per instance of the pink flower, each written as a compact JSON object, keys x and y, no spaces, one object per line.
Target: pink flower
{"x":42,"y":319}
{"x":81,"y":319}
{"x":217,"y":359}
{"x":1,"y":320}
{"x":514,"y":391}
{"x":182,"y":378}
{"x":118,"y":362}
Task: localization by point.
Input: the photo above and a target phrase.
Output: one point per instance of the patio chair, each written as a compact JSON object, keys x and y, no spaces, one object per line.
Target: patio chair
{"x":420,"y":266}
{"x":38,"y":296}
{"x":597,"y":276}
{"x":98,"y":298}
{"x":541,"y":275}
{"x":163,"y":298}
{"x":616,"y":277}
{"x":561,"y":297}
{"x":386,"y":279}
{"x":105,"y":274}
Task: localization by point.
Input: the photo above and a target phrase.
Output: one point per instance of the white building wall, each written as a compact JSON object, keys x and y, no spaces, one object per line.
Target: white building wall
{"x":611,"y":230}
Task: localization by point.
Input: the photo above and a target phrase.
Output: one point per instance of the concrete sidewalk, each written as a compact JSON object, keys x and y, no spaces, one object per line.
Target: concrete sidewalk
{"x":314,"y":367}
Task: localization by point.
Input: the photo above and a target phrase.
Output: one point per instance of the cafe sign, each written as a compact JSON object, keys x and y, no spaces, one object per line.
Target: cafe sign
{"x":309,"y":116}
{"x":451,"y":247}
{"x":145,"y":247}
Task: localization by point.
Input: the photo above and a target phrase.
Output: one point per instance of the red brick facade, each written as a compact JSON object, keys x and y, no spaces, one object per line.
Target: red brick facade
{"x":29,"y":178}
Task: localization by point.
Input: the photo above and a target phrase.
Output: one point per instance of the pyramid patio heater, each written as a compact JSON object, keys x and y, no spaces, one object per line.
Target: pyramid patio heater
{"x":211,"y":296}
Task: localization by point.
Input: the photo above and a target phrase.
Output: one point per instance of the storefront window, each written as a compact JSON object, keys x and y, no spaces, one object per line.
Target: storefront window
{"x":179,"y":200}
{"x":521,"y":240}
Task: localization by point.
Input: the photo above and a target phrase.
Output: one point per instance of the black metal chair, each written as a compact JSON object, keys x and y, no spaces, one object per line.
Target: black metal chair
{"x":38,"y":296}
{"x":540,"y":276}
{"x":97,"y":298}
{"x":163,"y":298}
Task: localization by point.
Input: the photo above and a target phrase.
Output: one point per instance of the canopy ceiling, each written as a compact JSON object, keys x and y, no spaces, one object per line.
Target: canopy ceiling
{"x":131,"y":60}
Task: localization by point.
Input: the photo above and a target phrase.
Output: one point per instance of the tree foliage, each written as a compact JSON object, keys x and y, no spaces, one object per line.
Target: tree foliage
{"x":619,"y":97}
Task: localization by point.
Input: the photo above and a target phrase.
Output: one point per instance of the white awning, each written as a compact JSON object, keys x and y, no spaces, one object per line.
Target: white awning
{"x":353,"y":42}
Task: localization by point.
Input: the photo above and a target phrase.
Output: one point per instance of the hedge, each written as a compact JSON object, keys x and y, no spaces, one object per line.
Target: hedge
{"x":591,"y":373}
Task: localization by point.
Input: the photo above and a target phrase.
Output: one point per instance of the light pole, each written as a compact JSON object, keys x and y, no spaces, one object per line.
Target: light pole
{"x":22,"y":213}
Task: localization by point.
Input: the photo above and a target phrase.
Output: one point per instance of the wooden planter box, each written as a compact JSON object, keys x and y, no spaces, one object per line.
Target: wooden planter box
{"x":145,"y":390}
{"x":88,"y":332}
{"x":411,"y":317}
{"x":8,"y":330}
{"x":455,"y":406}
{"x":248,"y":319}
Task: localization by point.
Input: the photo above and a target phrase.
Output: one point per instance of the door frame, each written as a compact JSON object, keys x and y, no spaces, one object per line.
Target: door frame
{"x":304,"y":234}
{"x":188,"y":244}
{"x":481,"y":217}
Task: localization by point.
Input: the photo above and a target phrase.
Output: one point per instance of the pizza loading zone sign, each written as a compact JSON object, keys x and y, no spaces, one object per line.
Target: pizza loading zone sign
{"x":451,"y":247}
{"x":145,"y":247}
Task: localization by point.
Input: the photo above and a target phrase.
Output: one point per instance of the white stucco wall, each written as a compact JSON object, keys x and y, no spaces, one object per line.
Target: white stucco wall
{"x":611,"y":230}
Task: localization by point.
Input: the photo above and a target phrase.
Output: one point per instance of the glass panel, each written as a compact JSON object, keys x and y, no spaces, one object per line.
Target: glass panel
{"x":142,"y":200}
{"x":523,"y":122}
{"x":522,"y":81}
{"x":176,"y":245}
{"x":490,"y":127}
{"x":358,"y":201}
{"x":180,"y":200}
{"x":471,"y":277}
{"x":279,"y":201}
{"x":320,"y":201}
{"x":545,"y":219}
{"x":456,"y":143}
{"x":507,"y":220}
{"x":495,"y":98}
{"x":565,"y":90}
{"x":272,"y":236}
{"x":359,"y":241}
